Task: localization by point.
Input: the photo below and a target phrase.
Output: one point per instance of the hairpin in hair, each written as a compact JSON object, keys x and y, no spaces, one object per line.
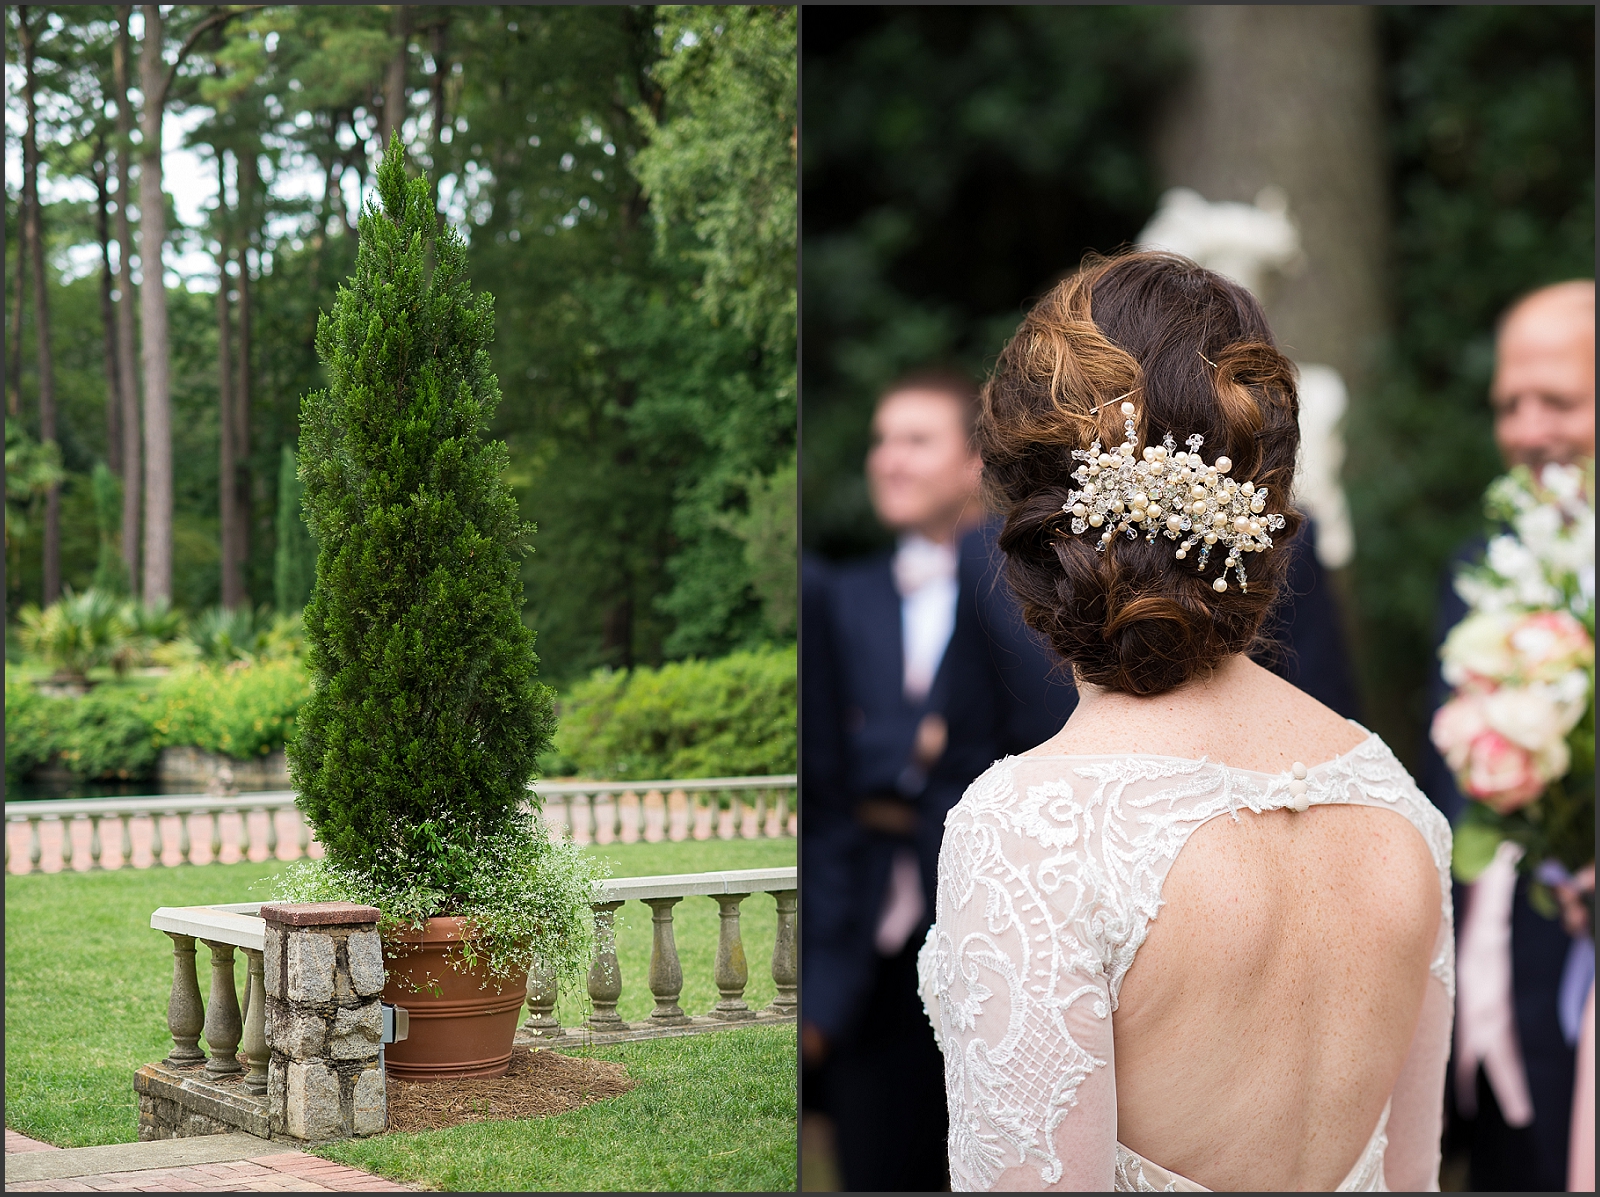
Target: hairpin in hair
{"x":1205,"y":359}
{"x":1095,"y":410}
{"x":1170,"y":492}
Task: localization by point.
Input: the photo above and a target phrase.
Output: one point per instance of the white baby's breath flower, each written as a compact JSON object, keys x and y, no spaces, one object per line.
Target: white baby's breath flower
{"x":1565,"y":482}
{"x":1486,"y":594}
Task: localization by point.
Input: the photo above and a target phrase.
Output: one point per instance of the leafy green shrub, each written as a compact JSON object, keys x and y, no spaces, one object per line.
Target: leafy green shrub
{"x":154,"y":623}
{"x":111,"y":734}
{"x":33,"y":727}
{"x":242,"y":711}
{"x":107,"y":734}
{"x":731,"y":717}
{"x":119,"y":729}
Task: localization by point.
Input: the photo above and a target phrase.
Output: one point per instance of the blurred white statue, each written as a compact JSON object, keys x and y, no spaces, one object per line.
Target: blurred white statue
{"x":1244,"y":242}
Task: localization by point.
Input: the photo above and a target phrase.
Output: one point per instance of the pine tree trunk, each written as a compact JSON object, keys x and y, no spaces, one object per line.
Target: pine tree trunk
{"x":394,"y":84}
{"x":108,"y":313}
{"x":14,"y":342}
{"x":1291,"y":95}
{"x":41,"y":308}
{"x":241,"y":393}
{"x":153,"y":308}
{"x":128,"y":386}
{"x":440,"y":74}
{"x":227,"y":482}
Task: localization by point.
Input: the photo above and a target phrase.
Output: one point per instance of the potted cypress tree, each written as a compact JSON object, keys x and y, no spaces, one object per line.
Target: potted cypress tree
{"x":413,"y":757}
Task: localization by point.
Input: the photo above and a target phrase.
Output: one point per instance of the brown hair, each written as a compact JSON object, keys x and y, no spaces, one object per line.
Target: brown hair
{"x":1196,"y":353}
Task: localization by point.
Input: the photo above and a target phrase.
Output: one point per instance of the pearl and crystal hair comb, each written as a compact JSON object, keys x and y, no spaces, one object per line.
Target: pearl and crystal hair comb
{"x":1165,"y":491}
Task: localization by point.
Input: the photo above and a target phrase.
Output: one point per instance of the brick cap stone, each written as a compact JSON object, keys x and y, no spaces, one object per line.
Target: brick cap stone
{"x":320,"y":914}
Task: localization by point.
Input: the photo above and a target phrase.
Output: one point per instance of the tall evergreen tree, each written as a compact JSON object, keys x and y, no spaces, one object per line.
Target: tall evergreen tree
{"x":427,"y":718}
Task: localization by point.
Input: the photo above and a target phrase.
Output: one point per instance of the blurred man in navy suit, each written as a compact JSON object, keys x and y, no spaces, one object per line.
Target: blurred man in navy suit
{"x":1542,"y":396}
{"x":917,"y":673}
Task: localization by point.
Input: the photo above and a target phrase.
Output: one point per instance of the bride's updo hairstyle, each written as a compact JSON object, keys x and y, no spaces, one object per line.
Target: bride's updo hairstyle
{"x":1197,"y":356}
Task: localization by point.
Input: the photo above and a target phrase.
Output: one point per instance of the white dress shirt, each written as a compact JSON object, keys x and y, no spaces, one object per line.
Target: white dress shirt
{"x":925,"y":576}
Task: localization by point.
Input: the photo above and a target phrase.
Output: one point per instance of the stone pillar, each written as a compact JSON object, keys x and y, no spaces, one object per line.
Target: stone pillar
{"x":323,"y":975}
{"x":185,"y":1015}
{"x":255,"y":1024}
{"x":732,"y":971}
{"x":785,"y":960}
{"x":605,"y":973}
{"x":223,"y":1024}
{"x":541,"y":992}
{"x":666,"y":973}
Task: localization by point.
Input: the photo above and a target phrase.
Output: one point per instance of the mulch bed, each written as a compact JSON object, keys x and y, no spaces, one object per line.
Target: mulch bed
{"x":537,"y":1084}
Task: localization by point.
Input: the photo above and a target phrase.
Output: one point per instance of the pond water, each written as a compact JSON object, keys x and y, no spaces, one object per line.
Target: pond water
{"x":55,"y":791}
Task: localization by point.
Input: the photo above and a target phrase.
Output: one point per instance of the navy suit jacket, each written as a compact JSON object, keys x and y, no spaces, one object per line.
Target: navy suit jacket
{"x":1000,"y":689}
{"x":1539,"y":945}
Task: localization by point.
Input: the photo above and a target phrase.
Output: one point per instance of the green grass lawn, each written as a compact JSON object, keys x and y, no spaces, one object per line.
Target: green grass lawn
{"x":712,"y":1113}
{"x":86,"y":987}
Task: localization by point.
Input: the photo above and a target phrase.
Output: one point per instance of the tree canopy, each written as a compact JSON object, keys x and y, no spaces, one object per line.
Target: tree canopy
{"x":623,"y":179}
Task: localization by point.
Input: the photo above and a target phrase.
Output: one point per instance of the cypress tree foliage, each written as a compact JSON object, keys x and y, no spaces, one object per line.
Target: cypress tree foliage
{"x":422,"y":734}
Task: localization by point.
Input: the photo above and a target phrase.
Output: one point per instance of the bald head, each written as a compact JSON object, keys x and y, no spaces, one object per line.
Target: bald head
{"x":1543,"y":389}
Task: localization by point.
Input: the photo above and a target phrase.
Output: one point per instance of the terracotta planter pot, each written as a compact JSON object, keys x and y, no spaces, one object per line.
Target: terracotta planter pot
{"x":459,"y":1026}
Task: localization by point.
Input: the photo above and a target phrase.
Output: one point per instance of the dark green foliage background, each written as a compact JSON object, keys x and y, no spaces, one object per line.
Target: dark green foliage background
{"x":958,"y":160}
{"x":426,"y":709}
{"x":1491,"y":135}
{"x":646,"y":341}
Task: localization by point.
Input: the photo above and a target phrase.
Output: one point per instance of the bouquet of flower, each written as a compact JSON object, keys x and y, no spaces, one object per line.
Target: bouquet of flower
{"x":1519,"y":728}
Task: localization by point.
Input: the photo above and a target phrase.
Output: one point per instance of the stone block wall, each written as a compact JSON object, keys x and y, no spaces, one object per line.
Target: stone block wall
{"x":323,"y":969}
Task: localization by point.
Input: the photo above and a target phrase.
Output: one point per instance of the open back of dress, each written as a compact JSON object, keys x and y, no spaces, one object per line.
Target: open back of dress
{"x":1050,"y":875}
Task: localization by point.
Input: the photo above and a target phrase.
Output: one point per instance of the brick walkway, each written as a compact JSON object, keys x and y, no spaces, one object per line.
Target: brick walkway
{"x":280,"y":1172}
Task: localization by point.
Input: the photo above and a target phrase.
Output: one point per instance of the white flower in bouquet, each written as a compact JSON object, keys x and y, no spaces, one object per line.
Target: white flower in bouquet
{"x":1522,"y":660}
{"x":1480,"y":647}
{"x":1535,"y":716}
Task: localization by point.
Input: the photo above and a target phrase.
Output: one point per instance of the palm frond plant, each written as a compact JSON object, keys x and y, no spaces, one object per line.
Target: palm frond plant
{"x":77,"y":633}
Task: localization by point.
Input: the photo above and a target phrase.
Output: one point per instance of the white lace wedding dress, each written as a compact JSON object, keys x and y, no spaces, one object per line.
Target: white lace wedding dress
{"x":1049,"y":876}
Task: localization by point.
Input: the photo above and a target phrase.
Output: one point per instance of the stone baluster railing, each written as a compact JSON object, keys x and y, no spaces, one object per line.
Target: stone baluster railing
{"x":662,"y":895}
{"x":702,"y":808}
{"x":309,"y":1028}
{"x":165,"y":822}
{"x":229,"y":1022}
{"x":225,"y":1020}
{"x":589,"y":811}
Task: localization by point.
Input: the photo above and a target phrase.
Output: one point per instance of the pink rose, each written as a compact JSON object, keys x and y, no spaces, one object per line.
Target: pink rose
{"x":1456,"y":725}
{"x":1501,"y":774}
{"x":1550,"y":643}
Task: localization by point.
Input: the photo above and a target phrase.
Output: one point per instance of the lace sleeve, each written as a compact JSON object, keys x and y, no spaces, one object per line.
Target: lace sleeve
{"x":1022,"y":1008}
{"x":1416,"y":1121}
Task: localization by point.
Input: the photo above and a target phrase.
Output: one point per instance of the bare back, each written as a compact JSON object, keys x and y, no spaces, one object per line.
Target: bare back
{"x":1304,"y":937}
{"x":1269,"y":971}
